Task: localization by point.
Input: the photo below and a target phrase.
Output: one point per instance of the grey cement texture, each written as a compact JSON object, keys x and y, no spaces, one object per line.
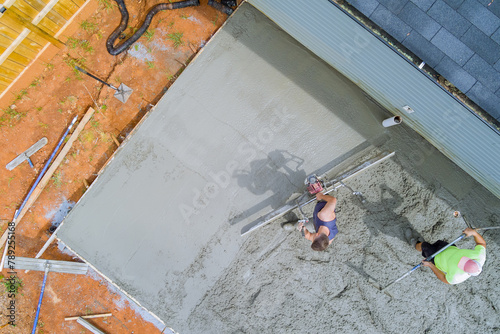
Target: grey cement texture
{"x":233,"y":139}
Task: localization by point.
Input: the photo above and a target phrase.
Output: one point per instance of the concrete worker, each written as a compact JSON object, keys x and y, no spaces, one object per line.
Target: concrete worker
{"x":324,"y":223}
{"x":453,"y":265}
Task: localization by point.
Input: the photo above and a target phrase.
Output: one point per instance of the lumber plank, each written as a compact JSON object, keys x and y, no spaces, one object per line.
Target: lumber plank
{"x":27,"y":11}
{"x":18,"y":58}
{"x":12,"y":23}
{"x":5,"y":81}
{"x":56,"y":17}
{"x":46,"y":178}
{"x":33,"y":44}
{"x":8,"y":32}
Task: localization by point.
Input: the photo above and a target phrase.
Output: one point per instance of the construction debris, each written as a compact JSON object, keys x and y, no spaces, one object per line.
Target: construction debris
{"x":27,"y":154}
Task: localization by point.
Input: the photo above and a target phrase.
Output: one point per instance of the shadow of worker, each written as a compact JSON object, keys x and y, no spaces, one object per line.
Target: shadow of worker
{"x":280,"y":175}
{"x":381,"y":217}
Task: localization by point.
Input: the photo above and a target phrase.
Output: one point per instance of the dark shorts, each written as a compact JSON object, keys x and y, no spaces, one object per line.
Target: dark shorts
{"x":429,"y":249}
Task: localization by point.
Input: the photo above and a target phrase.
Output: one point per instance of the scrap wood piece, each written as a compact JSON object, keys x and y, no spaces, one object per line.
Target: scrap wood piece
{"x":89,"y":326}
{"x":90,"y":316}
{"x":46,"y":178}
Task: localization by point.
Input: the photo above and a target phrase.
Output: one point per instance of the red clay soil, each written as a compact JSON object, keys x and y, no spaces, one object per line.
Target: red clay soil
{"x":44,"y":107}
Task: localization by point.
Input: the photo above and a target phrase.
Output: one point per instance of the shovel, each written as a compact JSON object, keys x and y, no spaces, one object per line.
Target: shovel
{"x":122,"y":93}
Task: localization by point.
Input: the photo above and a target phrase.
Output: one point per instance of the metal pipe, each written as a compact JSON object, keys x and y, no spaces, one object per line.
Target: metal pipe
{"x":94,"y":77}
{"x":47,"y":265}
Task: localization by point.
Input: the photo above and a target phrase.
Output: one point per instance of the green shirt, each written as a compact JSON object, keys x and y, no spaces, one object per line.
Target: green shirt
{"x":447,"y":262}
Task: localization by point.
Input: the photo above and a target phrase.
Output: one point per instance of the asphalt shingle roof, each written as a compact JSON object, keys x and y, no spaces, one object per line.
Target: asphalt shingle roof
{"x":460,"y":39}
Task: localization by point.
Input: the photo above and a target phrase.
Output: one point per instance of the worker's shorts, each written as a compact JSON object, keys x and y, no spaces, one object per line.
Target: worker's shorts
{"x":429,"y":249}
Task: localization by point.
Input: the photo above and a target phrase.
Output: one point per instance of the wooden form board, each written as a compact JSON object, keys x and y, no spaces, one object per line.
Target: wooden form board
{"x":26,"y":27}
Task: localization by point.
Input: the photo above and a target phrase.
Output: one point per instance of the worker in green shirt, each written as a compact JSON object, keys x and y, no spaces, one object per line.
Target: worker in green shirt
{"x":454,"y":265}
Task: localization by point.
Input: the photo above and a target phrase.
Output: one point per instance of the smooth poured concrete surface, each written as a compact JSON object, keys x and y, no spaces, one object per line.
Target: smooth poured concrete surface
{"x":232,"y":139}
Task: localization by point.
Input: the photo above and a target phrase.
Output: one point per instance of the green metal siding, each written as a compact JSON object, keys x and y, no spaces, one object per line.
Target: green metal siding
{"x":393,"y":82}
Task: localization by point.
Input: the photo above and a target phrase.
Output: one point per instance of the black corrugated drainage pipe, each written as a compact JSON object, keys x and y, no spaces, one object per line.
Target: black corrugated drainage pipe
{"x":220,"y":7}
{"x":114,"y":50}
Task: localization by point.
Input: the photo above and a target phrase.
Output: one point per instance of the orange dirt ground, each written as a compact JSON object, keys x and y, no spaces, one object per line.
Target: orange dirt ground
{"x":44,"y":107}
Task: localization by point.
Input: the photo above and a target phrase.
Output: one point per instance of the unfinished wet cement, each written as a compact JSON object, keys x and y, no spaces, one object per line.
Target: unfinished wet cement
{"x":234,"y":138}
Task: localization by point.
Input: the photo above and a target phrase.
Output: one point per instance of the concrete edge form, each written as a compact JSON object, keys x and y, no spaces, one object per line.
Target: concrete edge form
{"x":395,"y":84}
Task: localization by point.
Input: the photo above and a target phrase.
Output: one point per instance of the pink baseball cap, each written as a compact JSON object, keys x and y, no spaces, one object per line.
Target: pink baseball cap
{"x":470,"y":266}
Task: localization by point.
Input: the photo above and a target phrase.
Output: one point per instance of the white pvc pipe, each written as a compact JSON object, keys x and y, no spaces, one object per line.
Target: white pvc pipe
{"x":395,"y":120}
